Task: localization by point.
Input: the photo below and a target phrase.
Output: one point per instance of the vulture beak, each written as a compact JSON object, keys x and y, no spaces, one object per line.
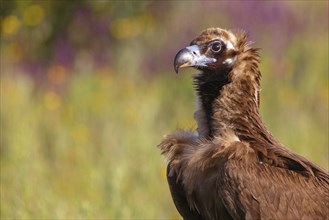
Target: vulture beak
{"x":191,"y":56}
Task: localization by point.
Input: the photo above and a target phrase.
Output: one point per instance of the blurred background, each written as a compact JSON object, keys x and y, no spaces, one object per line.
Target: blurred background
{"x":88,"y":90}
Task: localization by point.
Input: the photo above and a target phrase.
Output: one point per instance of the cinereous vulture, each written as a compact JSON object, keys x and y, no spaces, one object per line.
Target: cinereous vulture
{"x":232,"y":167}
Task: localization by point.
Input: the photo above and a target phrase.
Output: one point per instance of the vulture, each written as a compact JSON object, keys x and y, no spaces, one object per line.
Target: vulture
{"x":231,"y":167}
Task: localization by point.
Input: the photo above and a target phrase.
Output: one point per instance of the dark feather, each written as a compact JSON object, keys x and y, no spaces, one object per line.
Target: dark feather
{"x":234,"y":168}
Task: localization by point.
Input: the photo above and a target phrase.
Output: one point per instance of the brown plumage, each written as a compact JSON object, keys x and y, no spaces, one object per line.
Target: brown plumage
{"x":232,"y":167}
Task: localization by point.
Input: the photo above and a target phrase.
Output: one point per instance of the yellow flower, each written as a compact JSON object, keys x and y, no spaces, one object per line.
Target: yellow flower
{"x":52,"y":101}
{"x":33,"y":15}
{"x":10,"y":25}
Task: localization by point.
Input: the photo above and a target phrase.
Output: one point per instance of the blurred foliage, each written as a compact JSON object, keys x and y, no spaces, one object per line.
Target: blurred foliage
{"x":88,"y":90}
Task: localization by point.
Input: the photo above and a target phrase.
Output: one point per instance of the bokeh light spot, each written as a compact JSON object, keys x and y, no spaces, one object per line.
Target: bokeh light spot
{"x":80,"y":134}
{"x":10,"y":25}
{"x":52,"y":101}
{"x":57,"y":74}
{"x":33,"y":15}
{"x":122,"y":28}
{"x":13,"y":52}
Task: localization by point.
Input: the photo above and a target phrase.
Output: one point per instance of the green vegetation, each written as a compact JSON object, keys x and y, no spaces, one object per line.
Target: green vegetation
{"x":90,"y":152}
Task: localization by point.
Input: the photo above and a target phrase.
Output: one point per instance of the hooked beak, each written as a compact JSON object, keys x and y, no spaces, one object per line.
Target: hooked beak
{"x":191,"y":56}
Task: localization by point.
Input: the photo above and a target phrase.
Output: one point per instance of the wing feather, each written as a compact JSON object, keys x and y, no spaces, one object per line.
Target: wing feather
{"x":178,"y":195}
{"x":268,"y":191}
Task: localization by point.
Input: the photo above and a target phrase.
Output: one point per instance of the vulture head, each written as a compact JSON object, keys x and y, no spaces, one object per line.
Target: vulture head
{"x":215,"y":49}
{"x":223,"y":58}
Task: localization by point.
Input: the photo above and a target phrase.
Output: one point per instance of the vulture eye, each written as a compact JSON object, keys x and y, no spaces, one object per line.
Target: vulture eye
{"x":216,"y":46}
